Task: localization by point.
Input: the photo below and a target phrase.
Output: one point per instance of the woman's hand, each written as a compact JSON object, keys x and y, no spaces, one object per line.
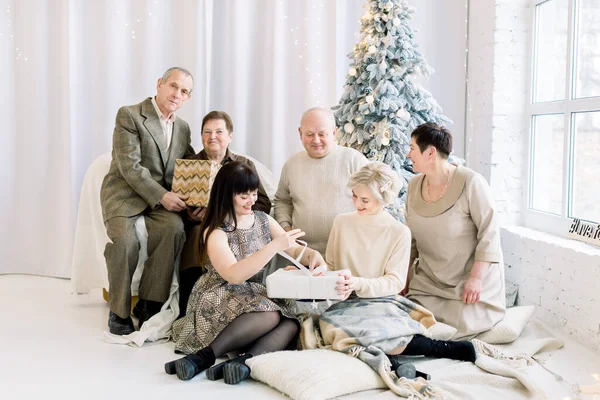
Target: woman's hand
{"x":346,"y":284}
{"x":288,"y":239}
{"x":196,"y":213}
{"x":315,"y":259}
{"x":472,"y":290}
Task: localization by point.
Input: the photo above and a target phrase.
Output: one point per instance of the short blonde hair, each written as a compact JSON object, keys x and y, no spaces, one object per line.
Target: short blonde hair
{"x":380,"y":178}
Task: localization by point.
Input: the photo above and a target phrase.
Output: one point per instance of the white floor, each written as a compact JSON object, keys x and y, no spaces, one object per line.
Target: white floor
{"x":52,"y":345}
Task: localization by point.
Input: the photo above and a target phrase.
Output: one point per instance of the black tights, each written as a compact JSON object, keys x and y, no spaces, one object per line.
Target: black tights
{"x":259,"y":332}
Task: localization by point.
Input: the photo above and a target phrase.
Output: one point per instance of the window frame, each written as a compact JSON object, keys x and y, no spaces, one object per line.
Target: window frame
{"x":569,"y":106}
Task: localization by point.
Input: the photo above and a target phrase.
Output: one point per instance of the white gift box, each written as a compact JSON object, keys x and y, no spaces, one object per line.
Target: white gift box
{"x":297,"y":284}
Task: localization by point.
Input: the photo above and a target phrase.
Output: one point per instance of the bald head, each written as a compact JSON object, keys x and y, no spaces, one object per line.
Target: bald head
{"x":317,"y":131}
{"x":324,"y":113}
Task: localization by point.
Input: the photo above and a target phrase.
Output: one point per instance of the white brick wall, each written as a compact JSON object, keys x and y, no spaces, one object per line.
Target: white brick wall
{"x":560,"y":277}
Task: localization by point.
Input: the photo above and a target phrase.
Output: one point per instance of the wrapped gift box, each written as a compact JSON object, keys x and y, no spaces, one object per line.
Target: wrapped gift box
{"x":298,"y":284}
{"x":194,"y":178}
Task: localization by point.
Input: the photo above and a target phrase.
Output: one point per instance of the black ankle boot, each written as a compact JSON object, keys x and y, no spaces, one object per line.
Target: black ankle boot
{"x":215,"y":372}
{"x":191,"y":365}
{"x":407,"y":371}
{"x":234,"y":372}
{"x":420,"y":345}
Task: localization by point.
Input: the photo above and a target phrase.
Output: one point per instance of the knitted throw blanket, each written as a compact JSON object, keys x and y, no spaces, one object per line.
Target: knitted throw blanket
{"x":370,"y":328}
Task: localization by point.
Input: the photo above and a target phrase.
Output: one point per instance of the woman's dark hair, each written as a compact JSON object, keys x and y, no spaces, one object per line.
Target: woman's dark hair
{"x":430,"y":134}
{"x":233,"y":178}
{"x":216,"y":115}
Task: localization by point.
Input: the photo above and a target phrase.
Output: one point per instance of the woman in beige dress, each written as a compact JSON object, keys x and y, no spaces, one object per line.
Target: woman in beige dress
{"x":459,"y":275}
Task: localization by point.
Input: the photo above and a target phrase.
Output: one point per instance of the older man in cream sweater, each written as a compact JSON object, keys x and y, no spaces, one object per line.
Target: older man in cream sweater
{"x":312,"y":189}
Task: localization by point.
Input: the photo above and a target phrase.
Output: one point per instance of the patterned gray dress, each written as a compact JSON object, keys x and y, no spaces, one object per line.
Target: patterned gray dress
{"x":214,"y":302}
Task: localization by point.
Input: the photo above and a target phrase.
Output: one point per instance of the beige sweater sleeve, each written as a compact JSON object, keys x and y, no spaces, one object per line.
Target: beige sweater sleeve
{"x":284,"y":207}
{"x":485,"y":218}
{"x":394,"y":277}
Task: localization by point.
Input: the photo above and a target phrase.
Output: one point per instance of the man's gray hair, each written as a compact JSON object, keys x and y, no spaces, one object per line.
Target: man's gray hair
{"x":324,"y":110}
{"x":168,"y":72}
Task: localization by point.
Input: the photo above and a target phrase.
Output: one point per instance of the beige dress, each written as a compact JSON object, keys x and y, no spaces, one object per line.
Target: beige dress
{"x":447,"y":237}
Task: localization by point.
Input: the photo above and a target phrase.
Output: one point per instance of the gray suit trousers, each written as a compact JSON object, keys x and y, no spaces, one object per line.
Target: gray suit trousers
{"x":166,"y":236}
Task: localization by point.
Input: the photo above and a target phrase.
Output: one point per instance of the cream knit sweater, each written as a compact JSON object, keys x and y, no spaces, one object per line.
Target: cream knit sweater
{"x":375,"y":248}
{"x":312,"y":191}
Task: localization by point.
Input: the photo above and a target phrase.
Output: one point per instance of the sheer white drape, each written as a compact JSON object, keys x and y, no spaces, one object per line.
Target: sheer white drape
{"x":68,"y":65}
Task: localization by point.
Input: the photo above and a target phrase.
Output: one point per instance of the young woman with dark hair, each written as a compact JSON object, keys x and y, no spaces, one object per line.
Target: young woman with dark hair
{"x":228,"y":309}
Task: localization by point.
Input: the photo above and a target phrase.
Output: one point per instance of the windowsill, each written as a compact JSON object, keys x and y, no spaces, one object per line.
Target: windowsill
{"x":567,"y":244}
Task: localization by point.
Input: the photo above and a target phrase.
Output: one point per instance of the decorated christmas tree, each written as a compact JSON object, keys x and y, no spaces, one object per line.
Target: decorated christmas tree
{"x":382,"y":102}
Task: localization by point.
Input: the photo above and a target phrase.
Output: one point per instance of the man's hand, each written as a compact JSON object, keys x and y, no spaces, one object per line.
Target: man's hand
{"x":196,"y":213}
{"x":173,"y":201}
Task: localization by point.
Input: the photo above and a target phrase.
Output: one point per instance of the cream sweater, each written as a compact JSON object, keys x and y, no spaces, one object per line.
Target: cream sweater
{"x":312,"y":192}
{"x":375,"y":248}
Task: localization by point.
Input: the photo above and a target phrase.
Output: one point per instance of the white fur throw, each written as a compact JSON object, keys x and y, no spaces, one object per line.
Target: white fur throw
{"x":314,"y":374}
{"x":511,"y":326}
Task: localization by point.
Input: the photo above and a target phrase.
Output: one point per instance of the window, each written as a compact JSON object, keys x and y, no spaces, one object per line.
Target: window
{"x":564,"y":151}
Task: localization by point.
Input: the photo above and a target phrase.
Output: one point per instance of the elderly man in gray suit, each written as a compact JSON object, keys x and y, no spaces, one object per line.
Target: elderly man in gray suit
{"x":147,"y":139}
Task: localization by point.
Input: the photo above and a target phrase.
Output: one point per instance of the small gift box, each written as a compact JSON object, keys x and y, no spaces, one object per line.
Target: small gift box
{"x":194,"y":178}
{"x":300,"y":283}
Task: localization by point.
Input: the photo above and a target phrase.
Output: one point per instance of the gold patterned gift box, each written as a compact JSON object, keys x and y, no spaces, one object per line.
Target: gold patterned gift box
{"x":194,"y":178}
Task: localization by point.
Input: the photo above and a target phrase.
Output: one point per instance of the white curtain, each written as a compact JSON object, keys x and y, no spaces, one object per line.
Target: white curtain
{"x":68,"y":65}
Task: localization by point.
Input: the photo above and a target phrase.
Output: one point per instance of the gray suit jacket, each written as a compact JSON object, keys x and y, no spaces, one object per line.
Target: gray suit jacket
{"x":141,"y":170}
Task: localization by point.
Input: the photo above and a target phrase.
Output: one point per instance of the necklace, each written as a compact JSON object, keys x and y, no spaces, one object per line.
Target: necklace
{"x":442,"y":193}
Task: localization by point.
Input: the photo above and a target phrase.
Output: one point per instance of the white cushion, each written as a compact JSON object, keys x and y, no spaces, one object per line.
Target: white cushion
{"x":314,"y":374}
{"x":441,"y":331}
{"x":511,"y":326}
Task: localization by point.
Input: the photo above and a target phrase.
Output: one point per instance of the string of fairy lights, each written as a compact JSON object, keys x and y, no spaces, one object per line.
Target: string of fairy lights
{"x":299,"y":40}
{"x":8,"y":34}
{"x":302,"y":48}
{"x":468,"y":110}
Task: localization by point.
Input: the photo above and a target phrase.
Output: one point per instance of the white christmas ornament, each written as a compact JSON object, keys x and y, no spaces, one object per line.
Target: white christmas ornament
{"x":349,"y":128}
{"x":403,"y":114}
{"x":396,"y":21}
{"x":385,"y":141}
{"x":388,"y":6}
{"x":352,"y":72}
{"x":372,"y":49}
{"x":369,"y":99}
